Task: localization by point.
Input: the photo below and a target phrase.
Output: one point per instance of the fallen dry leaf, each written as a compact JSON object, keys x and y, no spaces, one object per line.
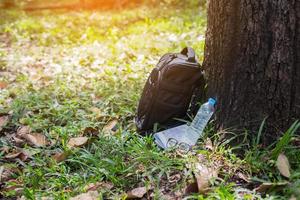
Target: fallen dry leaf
{"x":3,"y":85}
{"x":98,"y":185}
{"x":140,"y":169}
{"x":36,"y":139}
{"x":13,"y":185}
{"x":136,"y":193}
{"x":174,"y":178}
{"x":23,"y":130}
{"x":4,"y":149}
{"x":3,"y":121}
{"x":96,"y":98}
{"x":77,"y":142}
{"x":243,"y":177}
{"x":60,"y":156}
{"x":7,"y":173}
{"x":178,"y":194}
{"x":110,"y":127}
{"x":22,"y":155}
{"x":91,"y":195}
{"x":90,"y":131}
{"x":283,"y":165}
{"x":264,"y":187}
{"x":18,"y":141}
{"x":203,"y":176}
{"x":208,"y":144}
{"x":96,"y":111}
{"x":167,"y":197}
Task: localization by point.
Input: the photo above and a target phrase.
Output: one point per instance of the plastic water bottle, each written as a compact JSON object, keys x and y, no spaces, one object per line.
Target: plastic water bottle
{"x":202,"y":117}
{"x":185,"y":134}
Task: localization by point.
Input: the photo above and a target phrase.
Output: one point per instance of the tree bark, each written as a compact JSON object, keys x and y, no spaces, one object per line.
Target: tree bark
{"x":252,"y":55}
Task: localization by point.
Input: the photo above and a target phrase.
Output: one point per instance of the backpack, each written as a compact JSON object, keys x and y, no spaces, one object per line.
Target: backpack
{"x":168,"y":90}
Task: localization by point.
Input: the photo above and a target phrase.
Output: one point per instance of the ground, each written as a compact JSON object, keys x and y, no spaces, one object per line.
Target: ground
{"x":69,"y":87}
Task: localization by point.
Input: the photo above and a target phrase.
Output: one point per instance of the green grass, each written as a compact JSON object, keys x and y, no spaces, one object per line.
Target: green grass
{"x":72,"y":72}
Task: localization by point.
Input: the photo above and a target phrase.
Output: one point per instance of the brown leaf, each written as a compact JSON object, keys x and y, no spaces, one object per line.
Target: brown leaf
{"x":209,"y":144}
{"x":90,"y":131}
{"x":96,"y":111}
{"x":3,"y":121}
{"x":23,"y":130}
{"x":18,"y":141}
{"x":3,"y":85}
{"x":110,"y":127}
{"x":4,"y":149}
{"x":91,"y":195}
{"x":243,"y":177}
{"x":98,"y":185}
{"x":283,"y":165}
{"x":141,"y":168}
{"x":264,"y":187}
{"x":96,"y":98}
{"x":174,"y":178}
{"x":7,"y":173}
{"x":12,"y":155}
{"x":136,"y":193}
{"x":203,"y":176}
{"x":77,"y":142}
{"x":13,"y":185}
{"x":60,"y":156}
{"x":178,"y":194}
{"x":36,"y":139}
{"x":22,"y":155}
{"x":167,"y":197}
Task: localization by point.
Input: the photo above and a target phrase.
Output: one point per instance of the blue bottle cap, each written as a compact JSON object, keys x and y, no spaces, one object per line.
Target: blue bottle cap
{"x":212,"y":101}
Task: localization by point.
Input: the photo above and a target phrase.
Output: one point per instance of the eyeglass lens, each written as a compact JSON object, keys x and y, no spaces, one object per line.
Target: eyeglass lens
{"x":172,"y":143}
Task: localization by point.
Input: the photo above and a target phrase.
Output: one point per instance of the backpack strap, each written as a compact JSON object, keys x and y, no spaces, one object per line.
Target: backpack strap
{"x":189,"y":53}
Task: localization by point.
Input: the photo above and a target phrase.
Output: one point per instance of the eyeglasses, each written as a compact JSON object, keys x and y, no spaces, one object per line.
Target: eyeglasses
{"x":182,"y":146}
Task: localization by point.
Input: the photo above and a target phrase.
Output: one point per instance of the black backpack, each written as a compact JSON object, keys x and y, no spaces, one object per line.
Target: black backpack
{"x":168,"y":91}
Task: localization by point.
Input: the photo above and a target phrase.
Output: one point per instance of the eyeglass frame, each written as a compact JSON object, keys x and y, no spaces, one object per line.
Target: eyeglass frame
{"x":177,"y":144}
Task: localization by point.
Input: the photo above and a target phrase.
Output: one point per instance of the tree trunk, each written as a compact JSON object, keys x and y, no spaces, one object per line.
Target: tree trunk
{"x":252,"y":55}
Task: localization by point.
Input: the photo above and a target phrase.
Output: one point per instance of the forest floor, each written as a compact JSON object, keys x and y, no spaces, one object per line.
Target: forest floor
{"x":69,"y":87}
